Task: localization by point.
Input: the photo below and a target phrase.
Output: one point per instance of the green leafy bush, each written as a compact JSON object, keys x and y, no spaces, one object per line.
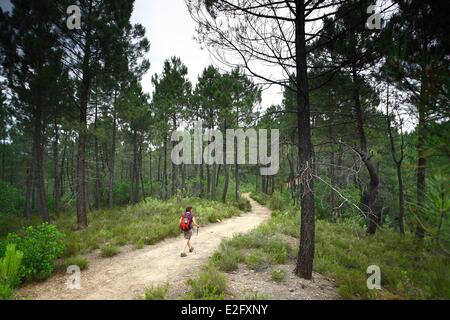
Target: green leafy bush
{"x":277,"y":250}
{"x":156,"y":293}
{"x":243,"y":204}
{"x":209,"y":285}
{"x":276,"y":201}
{"x":227,"y":259}
{"x":109,"y":251}
{"x":260,"y":197}
{"x":41,"y":246}
{"x":81,"y":262}
{"x":9,"y":271}
{"x":278,"y":275}
{"x":257,"y":260}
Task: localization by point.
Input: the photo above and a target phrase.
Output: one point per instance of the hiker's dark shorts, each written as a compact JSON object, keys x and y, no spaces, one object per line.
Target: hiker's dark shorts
{"x":187,"y":234}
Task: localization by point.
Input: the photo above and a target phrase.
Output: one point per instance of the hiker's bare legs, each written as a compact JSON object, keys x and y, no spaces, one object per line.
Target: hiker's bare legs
{"x":186,"y":245}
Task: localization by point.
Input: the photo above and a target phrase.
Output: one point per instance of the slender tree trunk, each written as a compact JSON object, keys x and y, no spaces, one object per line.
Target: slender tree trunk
{"x":165,"y":169}
{"x":141,"y":172}
{"x":219,"y":167}
{"x":305,"y":259}
{"x":150,"y":172}
{"x":61,"y":171}
{"x":81,"y":195}
{"x":183,"y":178}
{"x":421,"y":157}
{"x":202,"y":182}
{"x":97,"y":165}
{"x":112,"y":160}
{"x":29,"y":186}
{"x":159,"y":167}
{"x":134,"y":171}
{"x":369,"y":197}
{"x":398,"y":165}
{"x":56,"y":171}
{"x":225,"y":167}
{"x":174,"y":167}
{"x":213,"y":181}
{"x":40,"y":180}
{"x":291,"y":178}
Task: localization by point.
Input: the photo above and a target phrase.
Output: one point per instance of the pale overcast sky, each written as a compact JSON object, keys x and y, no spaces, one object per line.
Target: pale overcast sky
{"x":170,"y":30}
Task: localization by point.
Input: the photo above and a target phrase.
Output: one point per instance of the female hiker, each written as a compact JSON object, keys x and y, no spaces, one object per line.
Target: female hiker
{"x":187,"y":221}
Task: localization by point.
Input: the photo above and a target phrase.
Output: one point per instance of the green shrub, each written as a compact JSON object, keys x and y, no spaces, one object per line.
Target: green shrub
{"x":278,"y":275}
{"x":243,"y":204}
{"x":81,"y":262}
{"x":257,"y":260}
{"x":276,"y":201}
{"x":227,"y":259}
{"x":9,"y":271}
{"x":139,"y":244}
{"x":156,"y":293}
{"x":209,"y":285}
{"x":260,"y":197}
{"x":41,"y":246}
{"x":277,"y":250}
{"x":6,"y":291}
{"x":109,"y":251}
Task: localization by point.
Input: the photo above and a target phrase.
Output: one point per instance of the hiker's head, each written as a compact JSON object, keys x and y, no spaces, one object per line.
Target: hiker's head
{"x":189,"y":209}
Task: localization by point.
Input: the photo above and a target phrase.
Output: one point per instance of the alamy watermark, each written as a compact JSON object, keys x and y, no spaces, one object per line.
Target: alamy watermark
{"x":213,"y":153}
{"x":74,"y":20}
{"x":74,"y":278}
{"x":374,"y":20}
{"x":374,"y":279}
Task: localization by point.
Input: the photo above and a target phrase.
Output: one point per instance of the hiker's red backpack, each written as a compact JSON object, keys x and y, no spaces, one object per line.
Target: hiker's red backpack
{"x":186,"y":221}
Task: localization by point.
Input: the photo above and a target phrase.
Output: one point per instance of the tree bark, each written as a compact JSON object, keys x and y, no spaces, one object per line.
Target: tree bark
{"x":112,"y":160}
{"x":29,"y":186}
{"x":135,"y":171}
{"x":369,"y":196}
{"x":421,"y":157}
{"x":225,"y":167}
{"x":304,"y":266}
{"x":165,"y":169}
{"x":174,"y":167}
{"x":56,"y":172}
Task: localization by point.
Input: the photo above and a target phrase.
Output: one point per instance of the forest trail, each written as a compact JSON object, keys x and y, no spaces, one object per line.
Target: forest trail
{"x":126,"y":275}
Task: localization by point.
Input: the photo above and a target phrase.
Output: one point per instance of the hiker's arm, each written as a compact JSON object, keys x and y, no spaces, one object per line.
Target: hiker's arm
{"x":195,"y":222}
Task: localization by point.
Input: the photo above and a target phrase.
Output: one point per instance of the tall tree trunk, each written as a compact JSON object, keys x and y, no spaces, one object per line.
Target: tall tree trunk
{"x":112,"y":159}
{"x":159,"y":167}
{"x":150,"y":171}
{"x":183,"y":179}
{"x":81,"y":195}
{"x":225,"y":167}
{"x":370,"y":195}
{"x":29,"y":186}
{"x":202,"y":182}
{"x":40,"y":180}
{"x":305,"y":259}
{"x":56,"y":171}
{"x":97,"y":164}
{"x":134,"y":171}
{"x":165,"y":169}
{"x":141,"y":172}
{"x":174,"y":166}
{"x":421,"y":157}
{"x":215,"y":173}
{"x":398,"y":165}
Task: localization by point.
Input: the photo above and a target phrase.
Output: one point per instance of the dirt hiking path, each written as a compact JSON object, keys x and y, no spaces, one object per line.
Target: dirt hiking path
{"x":126,"y":275}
